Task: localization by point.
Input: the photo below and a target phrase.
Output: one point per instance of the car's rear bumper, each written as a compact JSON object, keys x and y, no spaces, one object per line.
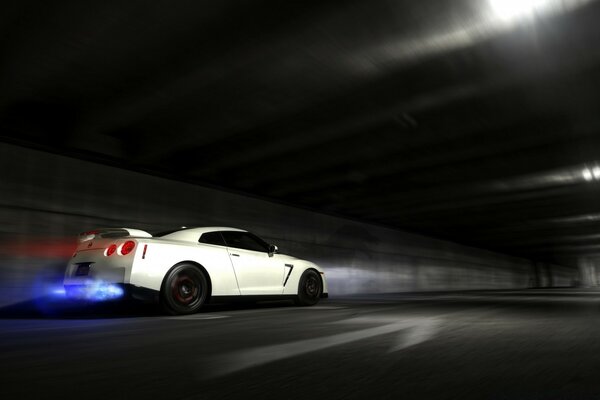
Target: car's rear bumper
{"x":86,"y":273}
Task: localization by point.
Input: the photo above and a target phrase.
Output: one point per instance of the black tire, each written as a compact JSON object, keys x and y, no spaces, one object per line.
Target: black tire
{"x":309,"y":288}
{"x":184,"y":290}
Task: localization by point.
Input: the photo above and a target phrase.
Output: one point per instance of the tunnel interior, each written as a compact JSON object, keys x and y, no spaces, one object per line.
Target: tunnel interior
{"x":439,"y":161}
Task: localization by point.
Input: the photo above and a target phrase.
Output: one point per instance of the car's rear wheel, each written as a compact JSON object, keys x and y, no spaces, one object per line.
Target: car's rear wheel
{"x":309,"y":288}
{"x":184,"y":290}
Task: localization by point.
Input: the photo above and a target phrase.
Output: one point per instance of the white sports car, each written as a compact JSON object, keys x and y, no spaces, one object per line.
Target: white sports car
{"x":186,"y":268}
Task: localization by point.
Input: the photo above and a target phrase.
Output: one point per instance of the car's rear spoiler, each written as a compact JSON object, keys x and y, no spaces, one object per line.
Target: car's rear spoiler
{"x":111,"y":233}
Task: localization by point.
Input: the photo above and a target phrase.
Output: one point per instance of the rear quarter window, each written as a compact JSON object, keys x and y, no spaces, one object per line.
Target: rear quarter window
{"x":212,"y":238}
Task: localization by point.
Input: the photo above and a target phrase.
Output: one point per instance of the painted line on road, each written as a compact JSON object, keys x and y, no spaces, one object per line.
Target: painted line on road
{"x":417,"y":330}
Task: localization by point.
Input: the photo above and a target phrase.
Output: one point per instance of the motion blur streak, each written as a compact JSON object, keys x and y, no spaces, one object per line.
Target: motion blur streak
{"x":39,"y":247}
{"x":557,"y":177}
{"x":576,"y":219}
{"x":495,"y":18}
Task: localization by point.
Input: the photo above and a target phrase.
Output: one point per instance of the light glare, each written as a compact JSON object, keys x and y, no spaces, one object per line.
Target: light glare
{"x":509,"y":10}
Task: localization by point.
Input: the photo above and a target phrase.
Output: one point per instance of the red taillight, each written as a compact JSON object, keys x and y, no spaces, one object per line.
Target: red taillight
{"x":111,"y":249}
{"x":126,"y":247}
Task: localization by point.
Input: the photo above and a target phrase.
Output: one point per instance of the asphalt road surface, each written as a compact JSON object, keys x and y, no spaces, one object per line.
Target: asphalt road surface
{"x":533,"y":344}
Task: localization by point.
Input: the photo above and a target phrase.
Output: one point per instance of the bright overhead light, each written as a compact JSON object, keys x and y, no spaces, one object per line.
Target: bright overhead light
{"x":591,"y":173}
{"x":510,"y":10}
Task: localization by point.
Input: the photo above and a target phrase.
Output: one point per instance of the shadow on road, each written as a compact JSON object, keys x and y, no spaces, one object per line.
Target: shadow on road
{"x":48,"y":307}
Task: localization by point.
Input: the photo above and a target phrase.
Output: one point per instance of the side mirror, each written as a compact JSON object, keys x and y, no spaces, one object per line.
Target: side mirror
{"x":272,"y":250}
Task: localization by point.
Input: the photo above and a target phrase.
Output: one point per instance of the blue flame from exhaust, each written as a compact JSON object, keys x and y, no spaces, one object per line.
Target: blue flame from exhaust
{"x":106,"y":292}
{"x":93,"y":291}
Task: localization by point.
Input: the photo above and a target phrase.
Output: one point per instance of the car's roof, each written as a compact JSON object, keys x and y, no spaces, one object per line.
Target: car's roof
{"x":193,"y":232}
{"x":203,"y":229}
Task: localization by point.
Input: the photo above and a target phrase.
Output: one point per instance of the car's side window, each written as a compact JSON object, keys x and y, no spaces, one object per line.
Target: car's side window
{"x":212,"y":238}
{"x":244,"y":240}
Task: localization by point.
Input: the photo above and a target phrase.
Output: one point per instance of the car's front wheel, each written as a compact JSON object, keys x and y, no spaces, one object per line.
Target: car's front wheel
{"x":184,"y":290}
{"x":309,"y":288}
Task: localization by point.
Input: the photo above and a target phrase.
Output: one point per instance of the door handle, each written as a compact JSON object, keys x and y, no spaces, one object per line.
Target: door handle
{"x":235,"y":255}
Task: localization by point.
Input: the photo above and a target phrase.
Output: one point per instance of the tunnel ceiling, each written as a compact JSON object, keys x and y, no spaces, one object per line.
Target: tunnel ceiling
{"x":449,"y":119}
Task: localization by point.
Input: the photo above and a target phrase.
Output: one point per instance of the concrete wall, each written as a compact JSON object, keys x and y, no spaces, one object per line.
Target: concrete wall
{"x":46,"y":199}
{"x":589,"y":271}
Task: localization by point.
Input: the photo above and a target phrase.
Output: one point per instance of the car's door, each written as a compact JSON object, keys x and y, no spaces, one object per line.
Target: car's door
{"x":257,"y":273}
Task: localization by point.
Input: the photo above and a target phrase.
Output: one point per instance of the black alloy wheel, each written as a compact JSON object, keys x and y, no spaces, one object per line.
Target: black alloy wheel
{"x":184,"y":290}
{"x":309,"y":288}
